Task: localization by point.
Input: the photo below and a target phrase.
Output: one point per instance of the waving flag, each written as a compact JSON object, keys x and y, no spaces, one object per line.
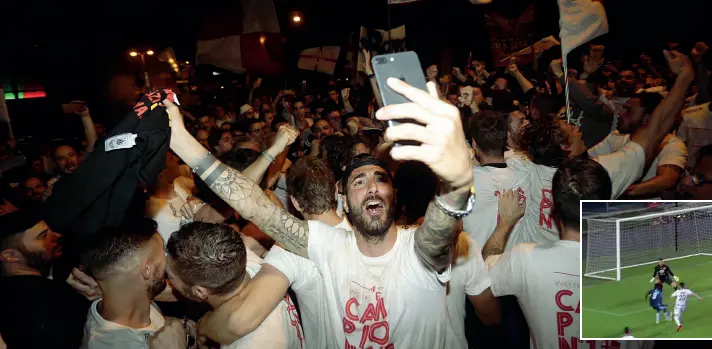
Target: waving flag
{"x":244,"y":36}
{"x":580,"y":22}
{"x":321,"y":59}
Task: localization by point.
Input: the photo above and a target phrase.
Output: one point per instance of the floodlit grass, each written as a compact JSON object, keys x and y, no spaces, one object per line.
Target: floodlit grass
{"x":609,"y":306}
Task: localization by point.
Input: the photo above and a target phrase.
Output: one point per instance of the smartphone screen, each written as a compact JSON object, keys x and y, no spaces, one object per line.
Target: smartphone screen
{"x":405,"y":66}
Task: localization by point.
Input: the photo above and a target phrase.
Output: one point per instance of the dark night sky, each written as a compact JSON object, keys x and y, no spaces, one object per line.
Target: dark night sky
{"x":80,"y":46}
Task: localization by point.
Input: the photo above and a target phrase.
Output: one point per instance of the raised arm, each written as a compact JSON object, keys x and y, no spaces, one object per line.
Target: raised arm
{"x":444,"y":150}
{"x":663,"y":117}
{"x":256,"y":170}
{"x":511,"y":209}
{"x":243,"y":314}
{"x":238,"y":191}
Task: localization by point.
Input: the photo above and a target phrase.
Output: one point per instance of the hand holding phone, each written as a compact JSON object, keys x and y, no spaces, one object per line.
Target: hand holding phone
{"x":438,"y":133}
{"x":404,"y":66}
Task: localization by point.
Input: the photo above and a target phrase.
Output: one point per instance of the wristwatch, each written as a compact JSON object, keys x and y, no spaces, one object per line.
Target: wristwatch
{"x":458,"y":213}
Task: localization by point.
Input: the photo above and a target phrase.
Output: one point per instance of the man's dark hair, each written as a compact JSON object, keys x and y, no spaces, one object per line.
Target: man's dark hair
{"x":627,"y":330}
{"x":546,"y":142}
{"x":312,"y":183}
{"x":209,"y":255}
{"x":240,"y":158}
{"x":215,"y":136}
{"x":682,"y":284}
{"x":113,"y":245}
{"x":12,"y":225}
{"x":580,"y":178}
{"x":489,"y":130}
{"x":649,"y":100}
{"x":338,"y":152}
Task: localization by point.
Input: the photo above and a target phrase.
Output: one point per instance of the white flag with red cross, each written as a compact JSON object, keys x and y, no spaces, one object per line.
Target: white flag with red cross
{"x":322,"y":59}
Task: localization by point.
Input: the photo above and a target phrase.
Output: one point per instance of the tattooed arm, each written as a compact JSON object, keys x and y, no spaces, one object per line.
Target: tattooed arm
{"x":434,"y":238}
{"x":239,"y":192}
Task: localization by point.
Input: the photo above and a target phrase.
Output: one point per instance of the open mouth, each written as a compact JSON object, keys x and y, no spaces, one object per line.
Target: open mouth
{"x":374,"y":207}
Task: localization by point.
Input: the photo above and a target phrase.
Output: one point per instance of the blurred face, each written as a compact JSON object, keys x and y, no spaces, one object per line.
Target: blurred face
{"x":39,"y":246}
{"x":226,"y":143}
{"x":334,"y":96}
{"x":324,"y":129}
{"x":258,"y":130}
{"x":308,"y":99}
{"x":477,"y":95}
{"x":370,"y":201}
{"x":66,"y":159}
{"x":517,"y":121}
{"x":265,"y":108}
{"x":202,"y":137}
{"x":300,"y":111}
{"x":34,"y":189}
{"x":577,"y":146}
{"x":220,"y":112}
{"x":269,"y":118}
{"x":626,"y":84}
{"x":335,"y":119}
{"x":632,"y":116}
{"x":100,"y":129}
{"x":627,"y":76}
{"x":206,"y":122}
{"x":38,"y":166}
{"x":661,"y":263}
{"x":453,"y":98}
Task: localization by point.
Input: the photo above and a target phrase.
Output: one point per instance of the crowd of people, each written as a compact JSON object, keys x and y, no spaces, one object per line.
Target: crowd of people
{"x":301,"y":221}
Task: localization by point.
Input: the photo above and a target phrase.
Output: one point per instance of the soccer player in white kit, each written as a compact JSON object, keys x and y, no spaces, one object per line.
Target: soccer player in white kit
{"x":682,"y":295}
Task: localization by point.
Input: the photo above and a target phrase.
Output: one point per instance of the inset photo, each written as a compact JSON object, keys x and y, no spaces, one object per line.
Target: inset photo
{"x":646,"y":269}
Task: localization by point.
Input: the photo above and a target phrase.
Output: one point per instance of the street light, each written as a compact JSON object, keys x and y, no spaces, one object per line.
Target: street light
{"x":297,"y":18}
{"x":187,"y":62}
{"x":170,"y":60}
{"x":143,"y":55}
{"x":263,"y":39}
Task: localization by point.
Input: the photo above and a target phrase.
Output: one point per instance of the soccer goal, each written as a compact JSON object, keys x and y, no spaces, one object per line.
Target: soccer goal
{"x":616,"y":243}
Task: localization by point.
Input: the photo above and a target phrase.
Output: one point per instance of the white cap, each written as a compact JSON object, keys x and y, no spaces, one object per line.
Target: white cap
{"x":245,"y":108}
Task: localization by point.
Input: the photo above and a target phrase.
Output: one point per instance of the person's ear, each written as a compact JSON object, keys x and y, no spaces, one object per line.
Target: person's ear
{"x":147,"y":270}
{"x":200,"y":292}
{"x":10,"y":255}
{"x":295,"y":204}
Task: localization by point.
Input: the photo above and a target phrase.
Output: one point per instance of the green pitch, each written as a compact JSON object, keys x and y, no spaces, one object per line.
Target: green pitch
{"x":609,"y":306}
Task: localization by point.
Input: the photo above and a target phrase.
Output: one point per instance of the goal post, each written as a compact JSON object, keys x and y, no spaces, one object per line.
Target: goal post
{"x":615,"y":244}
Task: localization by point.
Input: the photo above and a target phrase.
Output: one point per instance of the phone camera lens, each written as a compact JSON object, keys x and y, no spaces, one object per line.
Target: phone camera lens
{"x":380,"y":60}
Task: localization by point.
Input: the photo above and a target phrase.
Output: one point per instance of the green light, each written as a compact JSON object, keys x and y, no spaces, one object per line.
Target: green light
{"x":9,"y":95}
{"x":20,"y":95}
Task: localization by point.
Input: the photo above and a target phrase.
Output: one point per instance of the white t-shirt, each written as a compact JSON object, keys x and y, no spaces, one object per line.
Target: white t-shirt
{"x":538,"y":224}
{"x":102,"y":334}
{"x":167,"y":212}
{"x":674,"y":151}
{"x":624,"y":166}
{"x":681,"y":296}
{"x":308,"y":285}
{"x":489,"y":183}
{"x":280,"y":330}
{"x":696,"y":130}
{"x":391,"y":301}
{"x":470,"y":277}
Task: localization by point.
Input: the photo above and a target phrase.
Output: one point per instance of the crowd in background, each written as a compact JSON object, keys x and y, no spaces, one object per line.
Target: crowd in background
{"x":252,"y":272}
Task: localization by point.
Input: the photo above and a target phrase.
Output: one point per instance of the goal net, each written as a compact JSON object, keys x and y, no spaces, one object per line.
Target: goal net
{"x":619,"y":241}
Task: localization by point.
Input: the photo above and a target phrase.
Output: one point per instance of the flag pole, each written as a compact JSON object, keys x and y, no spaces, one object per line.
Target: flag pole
{"x":390,"y":44}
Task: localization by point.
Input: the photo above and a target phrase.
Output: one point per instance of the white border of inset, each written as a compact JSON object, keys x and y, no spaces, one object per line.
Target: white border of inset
{"x":581,"y":218}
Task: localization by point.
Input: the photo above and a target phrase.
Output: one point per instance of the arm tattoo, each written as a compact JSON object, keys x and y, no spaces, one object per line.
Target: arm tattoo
{"x":434,"y":238}
{"x":251,"y":203}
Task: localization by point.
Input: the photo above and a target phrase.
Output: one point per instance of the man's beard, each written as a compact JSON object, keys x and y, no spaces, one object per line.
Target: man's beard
{"x":37,"y":260}
{"x":157,"y":286}
{"x":373,"y":228}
